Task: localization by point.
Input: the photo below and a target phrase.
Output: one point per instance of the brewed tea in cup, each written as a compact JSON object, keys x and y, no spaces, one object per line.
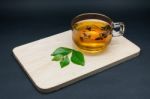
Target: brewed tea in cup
{"x":92,"y":32}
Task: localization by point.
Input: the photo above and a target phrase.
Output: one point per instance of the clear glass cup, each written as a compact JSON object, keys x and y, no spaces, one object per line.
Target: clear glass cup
{"x":92,"y":32}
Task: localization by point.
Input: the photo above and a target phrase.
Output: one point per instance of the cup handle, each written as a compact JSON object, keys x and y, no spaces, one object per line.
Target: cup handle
{"x":118,"y":29}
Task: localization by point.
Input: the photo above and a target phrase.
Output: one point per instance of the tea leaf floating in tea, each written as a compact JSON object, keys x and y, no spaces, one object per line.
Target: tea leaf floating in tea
{"x":92,"y":35}
{"x":61,"y":55}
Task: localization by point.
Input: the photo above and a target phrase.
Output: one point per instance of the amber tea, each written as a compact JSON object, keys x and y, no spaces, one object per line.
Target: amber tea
{"x":92,"y":34}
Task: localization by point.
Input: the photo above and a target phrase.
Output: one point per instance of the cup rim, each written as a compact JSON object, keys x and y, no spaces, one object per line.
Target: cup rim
{"x":90,"y":14}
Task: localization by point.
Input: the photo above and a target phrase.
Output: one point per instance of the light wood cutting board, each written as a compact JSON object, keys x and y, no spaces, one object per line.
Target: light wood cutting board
{"x":47,"y":75}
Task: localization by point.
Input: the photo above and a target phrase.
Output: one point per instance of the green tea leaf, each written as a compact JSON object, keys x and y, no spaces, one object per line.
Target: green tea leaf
{"x":77,"y":58}
{"x":61,"y":50}
{"x":64,"y":62}
{"x":57,"y":57}
{"x":61,"y":54}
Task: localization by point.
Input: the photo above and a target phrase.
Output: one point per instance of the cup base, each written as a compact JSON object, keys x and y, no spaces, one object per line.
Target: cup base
{"x":89,"y":52}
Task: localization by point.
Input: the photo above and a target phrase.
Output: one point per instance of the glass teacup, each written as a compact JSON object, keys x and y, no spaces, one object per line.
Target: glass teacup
{"x":92,"y":32}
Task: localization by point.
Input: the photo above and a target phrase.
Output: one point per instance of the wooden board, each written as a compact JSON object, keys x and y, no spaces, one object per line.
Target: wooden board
{"x":47,"y":75}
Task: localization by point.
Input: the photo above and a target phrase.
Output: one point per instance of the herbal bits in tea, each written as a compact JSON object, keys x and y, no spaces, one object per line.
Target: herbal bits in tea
{"x":92,"y":34}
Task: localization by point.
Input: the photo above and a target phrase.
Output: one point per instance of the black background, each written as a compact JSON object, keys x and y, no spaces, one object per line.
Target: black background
{"x":23,"y":21}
